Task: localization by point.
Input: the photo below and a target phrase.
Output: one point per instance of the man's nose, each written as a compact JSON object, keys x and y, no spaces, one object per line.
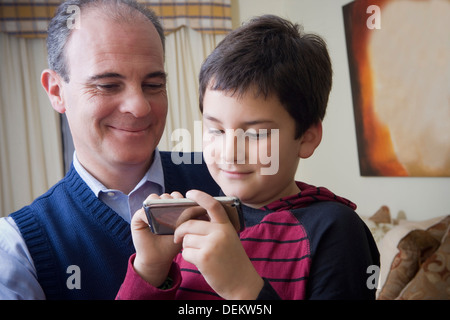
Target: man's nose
{"x":136,"y":103}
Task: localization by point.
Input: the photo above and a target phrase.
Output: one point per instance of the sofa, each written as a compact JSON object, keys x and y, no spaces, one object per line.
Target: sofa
{"x":414,"y":256}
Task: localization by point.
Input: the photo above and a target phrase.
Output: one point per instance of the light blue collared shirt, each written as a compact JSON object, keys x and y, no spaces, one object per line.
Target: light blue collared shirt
{"x":18,"y":278}
{"x":126,"y":205}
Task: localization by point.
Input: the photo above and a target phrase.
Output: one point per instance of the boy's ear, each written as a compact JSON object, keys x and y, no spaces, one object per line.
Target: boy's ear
{"x":52,"y":83}
{"x":310,"y":140}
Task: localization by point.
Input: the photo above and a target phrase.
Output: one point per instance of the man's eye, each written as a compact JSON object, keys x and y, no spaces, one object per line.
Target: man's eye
{"x":154,"y":85}
{"x":107,"y":86}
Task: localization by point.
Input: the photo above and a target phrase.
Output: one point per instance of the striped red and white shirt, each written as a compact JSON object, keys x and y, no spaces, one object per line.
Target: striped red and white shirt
{"x":311,"y":245}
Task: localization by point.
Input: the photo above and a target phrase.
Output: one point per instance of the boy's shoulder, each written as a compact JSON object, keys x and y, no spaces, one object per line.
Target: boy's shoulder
{"x":334,"y":222}
{"x":331,"y":210}
{"x":327,"y":214}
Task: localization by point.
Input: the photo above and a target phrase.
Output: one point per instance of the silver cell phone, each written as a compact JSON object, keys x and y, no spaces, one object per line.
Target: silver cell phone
{"x":165,"y":215}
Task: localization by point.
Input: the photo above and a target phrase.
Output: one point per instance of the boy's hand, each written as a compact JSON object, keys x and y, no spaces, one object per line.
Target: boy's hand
{"x":215,"y":248}
{"x":154,"y":253}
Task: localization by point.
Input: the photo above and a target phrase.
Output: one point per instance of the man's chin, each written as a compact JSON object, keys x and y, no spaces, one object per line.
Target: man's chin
{"x":133,"y":159}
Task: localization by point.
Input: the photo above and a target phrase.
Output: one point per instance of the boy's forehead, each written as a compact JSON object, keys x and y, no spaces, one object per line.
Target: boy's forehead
{"x":252,"y":92}
{"x":219,"y":100}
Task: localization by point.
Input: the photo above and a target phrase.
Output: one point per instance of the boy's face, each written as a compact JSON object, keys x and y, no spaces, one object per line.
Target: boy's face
{"x":249,"y":146}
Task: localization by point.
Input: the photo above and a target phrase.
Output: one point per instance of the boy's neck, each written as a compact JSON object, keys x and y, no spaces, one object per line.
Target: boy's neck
{"x":290,"y":190}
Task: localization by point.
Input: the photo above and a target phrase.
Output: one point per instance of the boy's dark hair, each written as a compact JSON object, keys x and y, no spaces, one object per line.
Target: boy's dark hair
{"x":273,"y":56}
{"x":59,"y":33}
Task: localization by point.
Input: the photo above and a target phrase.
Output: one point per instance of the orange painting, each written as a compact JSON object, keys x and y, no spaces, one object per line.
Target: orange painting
{"x":398,"y":52}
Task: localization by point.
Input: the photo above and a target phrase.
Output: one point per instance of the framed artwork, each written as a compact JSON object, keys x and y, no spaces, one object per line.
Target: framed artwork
{"x":399,"y":62}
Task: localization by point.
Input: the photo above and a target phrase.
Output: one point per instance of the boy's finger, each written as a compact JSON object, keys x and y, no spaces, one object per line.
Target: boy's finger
{"x":153,"y":196}
{"x":197,"y":227}
{"x":176,"y":195}
{"x":215,"y":209}
{"x":139,"y":220}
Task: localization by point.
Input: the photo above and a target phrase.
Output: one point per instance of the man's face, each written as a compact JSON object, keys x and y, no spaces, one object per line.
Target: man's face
{"x":115,"y":101}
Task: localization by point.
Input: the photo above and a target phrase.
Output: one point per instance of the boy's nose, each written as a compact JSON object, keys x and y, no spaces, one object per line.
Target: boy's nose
{"x":234,"y":148}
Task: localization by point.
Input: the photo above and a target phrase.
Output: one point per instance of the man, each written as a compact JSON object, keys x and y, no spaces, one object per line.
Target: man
{"x":107,"y":74}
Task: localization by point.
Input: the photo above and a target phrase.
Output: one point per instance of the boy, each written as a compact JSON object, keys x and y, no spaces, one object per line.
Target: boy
{"x":270,"y":83}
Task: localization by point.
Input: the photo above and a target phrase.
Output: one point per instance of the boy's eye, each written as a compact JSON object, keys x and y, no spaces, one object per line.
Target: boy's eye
{"x":215,"y":132}
{"x":256,"y":134}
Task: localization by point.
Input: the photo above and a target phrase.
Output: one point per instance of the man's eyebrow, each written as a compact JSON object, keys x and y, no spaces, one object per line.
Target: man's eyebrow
{"x":156,"y":74}
{"x":106,"y":75}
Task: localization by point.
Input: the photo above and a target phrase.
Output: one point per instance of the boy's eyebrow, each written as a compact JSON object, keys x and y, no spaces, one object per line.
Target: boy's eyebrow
{"x":156,"y":74}
{"x":211,"y":118}
{"x":249,"y":123}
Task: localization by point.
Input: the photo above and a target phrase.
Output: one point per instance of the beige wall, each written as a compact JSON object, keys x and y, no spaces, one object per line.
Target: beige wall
{"x":335,"y":163}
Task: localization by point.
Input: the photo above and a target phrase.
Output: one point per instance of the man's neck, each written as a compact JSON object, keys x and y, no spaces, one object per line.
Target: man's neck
{"x":124,"y":179}
{"x":118,"y":177}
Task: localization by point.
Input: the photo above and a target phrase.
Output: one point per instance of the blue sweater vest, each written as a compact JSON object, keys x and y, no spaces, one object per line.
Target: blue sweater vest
{"x":69,"y":226}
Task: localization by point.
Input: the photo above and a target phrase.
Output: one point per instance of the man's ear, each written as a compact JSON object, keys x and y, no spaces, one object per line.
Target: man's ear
{"x":310,"y":140}
{"x":52,"y":83}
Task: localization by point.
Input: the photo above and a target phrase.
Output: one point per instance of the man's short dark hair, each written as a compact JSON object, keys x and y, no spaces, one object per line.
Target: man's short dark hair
{"x":59,"y":32}
{"x":273,"y":56}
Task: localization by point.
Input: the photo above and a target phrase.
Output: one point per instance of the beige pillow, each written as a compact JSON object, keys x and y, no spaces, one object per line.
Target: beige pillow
{"x":439,"y":229}
{"x":432,"y":281}
{"x":379,"y":223}
{"x":388,"y":244}
{"x":383,"y":215}
{"x":414,"y":249}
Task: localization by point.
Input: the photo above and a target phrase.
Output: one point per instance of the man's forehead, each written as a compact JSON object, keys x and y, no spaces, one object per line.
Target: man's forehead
{"x":102,"y":42}
{"x":114,"y":10}
{"x":106,"y":19}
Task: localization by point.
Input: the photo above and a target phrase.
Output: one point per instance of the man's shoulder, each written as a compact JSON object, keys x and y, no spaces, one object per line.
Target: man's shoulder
{"x":61,"y":191}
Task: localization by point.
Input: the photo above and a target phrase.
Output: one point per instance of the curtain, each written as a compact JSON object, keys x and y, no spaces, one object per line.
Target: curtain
{"x":30,"y":140}
{"x":185,"y":51}
{"x":31,"y":152}
{"x":29,"y":18}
